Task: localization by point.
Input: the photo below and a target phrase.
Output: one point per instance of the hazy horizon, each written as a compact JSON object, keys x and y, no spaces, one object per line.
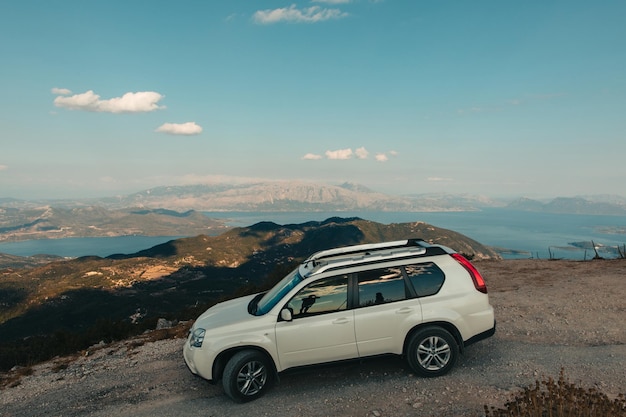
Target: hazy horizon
{"x":487,"y":98}
{"x":234,"y":181}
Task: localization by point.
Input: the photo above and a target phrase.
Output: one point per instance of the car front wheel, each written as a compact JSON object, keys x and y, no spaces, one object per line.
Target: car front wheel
{"x":246,"y":376}
{"x":432,"y":351}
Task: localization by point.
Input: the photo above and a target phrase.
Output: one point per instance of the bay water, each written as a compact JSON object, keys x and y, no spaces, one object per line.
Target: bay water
{"x":516,"y":234}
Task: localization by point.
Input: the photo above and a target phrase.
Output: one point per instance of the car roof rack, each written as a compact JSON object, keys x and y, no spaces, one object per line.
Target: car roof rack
{"x":338,"y":258}
{"x":366,"y":249}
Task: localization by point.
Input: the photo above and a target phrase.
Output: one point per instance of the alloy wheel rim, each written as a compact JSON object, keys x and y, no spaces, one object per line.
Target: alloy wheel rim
{"x":251,"y":378}
{"x":433,"y":353}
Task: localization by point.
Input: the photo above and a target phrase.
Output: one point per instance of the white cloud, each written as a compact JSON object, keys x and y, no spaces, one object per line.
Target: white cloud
{"x":470,"y":110}
{"x":439,"y":179}
{"x":332,"y":1}
{"x":312,"y":156}
{"x":142,"y":101}
{"x":189,"y":128}
{"x":3,"y":167}
{"x":361,"y":153}
{"x":292,"y":14}
{"x":393,"y":153}
{"x":339,"y":154}
{"x":381,"y":157}
{"x":61,"y":91}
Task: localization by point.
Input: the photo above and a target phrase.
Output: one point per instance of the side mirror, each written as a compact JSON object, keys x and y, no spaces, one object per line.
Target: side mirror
{"x":285,"y":314}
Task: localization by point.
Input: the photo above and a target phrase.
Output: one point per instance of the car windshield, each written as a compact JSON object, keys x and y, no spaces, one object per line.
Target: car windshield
{"x":273,"y":296}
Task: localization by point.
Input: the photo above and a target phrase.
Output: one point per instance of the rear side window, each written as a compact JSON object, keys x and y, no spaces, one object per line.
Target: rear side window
{"x":426,"y":278}
{"x":380,"y":286}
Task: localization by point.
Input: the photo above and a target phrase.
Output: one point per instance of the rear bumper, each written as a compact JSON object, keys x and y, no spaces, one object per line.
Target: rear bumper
{"x":481,"y":336}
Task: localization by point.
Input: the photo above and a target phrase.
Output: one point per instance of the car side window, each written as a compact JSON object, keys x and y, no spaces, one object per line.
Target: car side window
{"x":380,"y":286}
{"x":323,"y":296}
{"x":426,"y":278}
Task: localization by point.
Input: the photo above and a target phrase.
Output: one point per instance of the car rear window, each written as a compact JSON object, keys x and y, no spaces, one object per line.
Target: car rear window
{"x":426,"y":278}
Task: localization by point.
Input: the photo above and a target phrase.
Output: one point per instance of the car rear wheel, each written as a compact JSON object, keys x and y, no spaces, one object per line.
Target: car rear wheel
{"x":246,"y":376}
{"x":432,"y":351}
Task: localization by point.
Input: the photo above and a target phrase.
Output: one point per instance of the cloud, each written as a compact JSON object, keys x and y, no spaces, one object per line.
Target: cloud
{"x":361,"y":153}
{"x":292,"y":14}
{"x":439,"y":179}
{"x":344,"y":154}
{"x":339,"y":154}
{"x":188,"y":129}
{"x":470,"y":110}
{"x":139,"y":102}
{"x":3,"y":167}
{"x":61,"y":91}
{"x":332,"y":1}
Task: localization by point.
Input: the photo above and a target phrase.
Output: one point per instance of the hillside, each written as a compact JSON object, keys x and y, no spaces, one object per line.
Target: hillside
{"x":49,"y":222}
{"x":79,"y":299}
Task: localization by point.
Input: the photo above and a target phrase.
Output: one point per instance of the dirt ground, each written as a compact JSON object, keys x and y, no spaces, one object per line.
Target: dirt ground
{"x":551,"y":315}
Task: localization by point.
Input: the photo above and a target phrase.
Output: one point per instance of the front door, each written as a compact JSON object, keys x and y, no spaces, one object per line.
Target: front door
{"x":322,"y":329}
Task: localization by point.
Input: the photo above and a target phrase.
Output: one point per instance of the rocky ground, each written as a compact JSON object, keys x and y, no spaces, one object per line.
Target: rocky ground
{"x":551,"y":315}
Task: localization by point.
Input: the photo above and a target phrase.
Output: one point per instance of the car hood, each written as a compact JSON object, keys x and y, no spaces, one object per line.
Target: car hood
{"x":226,"y":313}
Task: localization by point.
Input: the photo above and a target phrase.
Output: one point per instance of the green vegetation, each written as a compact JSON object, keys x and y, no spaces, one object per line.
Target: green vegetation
{"x":560,"y":398}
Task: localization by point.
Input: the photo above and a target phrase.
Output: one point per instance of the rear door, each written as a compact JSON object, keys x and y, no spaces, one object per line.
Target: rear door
{"x":385,"y":311}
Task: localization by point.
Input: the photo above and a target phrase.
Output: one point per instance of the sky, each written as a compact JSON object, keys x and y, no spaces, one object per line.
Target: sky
{"x":496,"y":98}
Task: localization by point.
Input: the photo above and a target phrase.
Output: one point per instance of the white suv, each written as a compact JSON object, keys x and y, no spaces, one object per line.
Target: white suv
{"x":425,"y":302}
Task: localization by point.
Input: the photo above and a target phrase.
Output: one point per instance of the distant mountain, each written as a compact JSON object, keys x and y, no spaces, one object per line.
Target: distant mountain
{"x":175,"y":279}
{"x":573,"y":205}
{"x":526,"y":204}
{"x":265,"y":196}
{"x":53,"y":222}
{"x":291,"y":196}
{"x":11,"y":262}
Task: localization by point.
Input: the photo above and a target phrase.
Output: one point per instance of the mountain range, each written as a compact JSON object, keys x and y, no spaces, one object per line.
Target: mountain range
{"x":168,"y":210}
{"x":270,"y":196}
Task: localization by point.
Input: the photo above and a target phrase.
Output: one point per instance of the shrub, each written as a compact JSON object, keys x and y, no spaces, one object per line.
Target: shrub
{"x":550,"y":398}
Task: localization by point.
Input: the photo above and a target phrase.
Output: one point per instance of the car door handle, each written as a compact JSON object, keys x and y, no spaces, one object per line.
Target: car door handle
{"x":404,"y":310}
{"x":342,"y":320}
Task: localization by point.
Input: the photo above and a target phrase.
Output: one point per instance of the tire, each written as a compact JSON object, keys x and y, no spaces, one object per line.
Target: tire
{"x":432,"y":352}
{"x":247,"y":376}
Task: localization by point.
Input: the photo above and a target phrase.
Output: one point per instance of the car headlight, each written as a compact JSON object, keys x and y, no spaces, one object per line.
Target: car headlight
{"x":197,"y":337}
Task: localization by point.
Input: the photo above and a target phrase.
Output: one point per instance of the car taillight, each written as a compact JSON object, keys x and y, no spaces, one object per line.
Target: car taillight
{"x":479,"y":282}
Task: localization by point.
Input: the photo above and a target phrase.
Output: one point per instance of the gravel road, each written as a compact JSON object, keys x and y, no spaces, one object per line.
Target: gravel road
{"x":551,"y":315}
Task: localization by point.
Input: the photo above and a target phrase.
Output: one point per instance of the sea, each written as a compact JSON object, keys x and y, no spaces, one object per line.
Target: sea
{"x":514,"y":234}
